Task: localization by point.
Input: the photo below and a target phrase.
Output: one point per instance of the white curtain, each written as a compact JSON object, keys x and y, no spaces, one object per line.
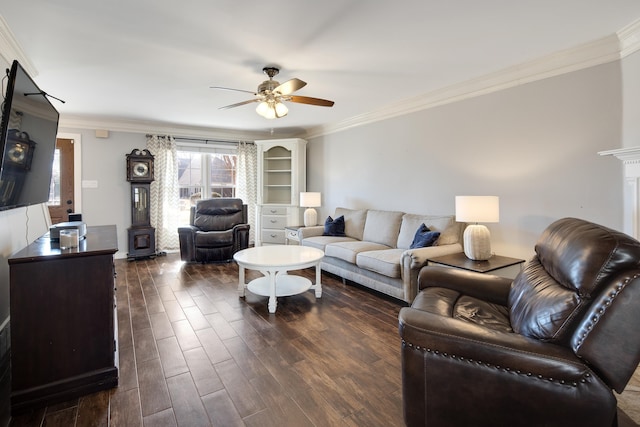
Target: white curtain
{"x":165,"y":195}
{"x":247,"y":186}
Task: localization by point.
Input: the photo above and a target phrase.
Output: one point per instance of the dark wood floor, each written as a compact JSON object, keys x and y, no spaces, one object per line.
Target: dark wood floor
{"x":192,"y":353}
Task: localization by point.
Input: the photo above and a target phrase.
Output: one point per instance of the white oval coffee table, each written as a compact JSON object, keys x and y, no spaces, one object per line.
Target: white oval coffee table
{"x":274,"y":262}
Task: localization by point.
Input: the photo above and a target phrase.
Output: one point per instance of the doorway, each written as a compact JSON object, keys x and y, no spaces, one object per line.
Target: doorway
{"x":61,"y":198}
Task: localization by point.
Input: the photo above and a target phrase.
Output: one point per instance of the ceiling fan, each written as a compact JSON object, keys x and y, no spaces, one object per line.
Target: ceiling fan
{"x":271,"y":94}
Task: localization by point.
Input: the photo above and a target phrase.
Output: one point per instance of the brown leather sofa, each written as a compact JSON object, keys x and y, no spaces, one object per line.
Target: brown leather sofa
{"x":544,"y":349}
{"x":218,"y":228}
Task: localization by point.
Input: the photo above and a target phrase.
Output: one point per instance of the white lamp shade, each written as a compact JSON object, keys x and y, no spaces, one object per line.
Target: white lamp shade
{"x":310,"y":200}
{"x":281,"y":109}
{"x":477,"y":209}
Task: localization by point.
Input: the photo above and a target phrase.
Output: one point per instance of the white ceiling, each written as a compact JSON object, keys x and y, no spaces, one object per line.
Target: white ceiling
{"x":154,"y":60}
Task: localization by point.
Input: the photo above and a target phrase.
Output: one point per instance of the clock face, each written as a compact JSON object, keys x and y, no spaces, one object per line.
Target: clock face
{"x":140,"y":169}
{"x":17,"y":153}
{"x":140,"y":166}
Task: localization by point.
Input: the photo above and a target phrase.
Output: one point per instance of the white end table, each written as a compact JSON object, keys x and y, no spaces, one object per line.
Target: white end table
{"x":274,"y":262}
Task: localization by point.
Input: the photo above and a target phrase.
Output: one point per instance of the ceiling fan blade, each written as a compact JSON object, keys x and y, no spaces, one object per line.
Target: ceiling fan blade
{"x":229,"y":88}
{"x":226,"y":107}
{"x":311,"y":101}
{"x":290,"y":86}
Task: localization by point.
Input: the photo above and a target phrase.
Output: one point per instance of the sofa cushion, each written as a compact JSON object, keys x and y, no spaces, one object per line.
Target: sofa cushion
{"x":320,"y":242}
{"x":447,"y":226}
{"x":424,"y":237}
{"x":348,"y":251}
{"x":383,"y":227}
{"x":353,"y":221}
{"x":385,"y":262}
{"x":334,"y":227}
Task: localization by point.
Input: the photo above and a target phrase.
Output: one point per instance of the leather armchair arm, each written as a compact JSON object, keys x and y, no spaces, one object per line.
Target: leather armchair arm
{"x":479,"y":285}
{"x":187,"y":242}
{"x":500,"y":350}
{"x":498,"y":378}
{"x":240,"y":237}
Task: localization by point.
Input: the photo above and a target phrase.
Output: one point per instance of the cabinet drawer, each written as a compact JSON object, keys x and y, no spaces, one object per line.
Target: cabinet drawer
{"x":274,"y":210}
{"x":292,"y":234}
{"x":273,"y":236}
{"x":272,"y":221}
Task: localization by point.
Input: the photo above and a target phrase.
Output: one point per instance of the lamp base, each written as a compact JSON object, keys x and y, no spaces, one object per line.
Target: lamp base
{"x":310,"y":217}
{"x":477,"y":242}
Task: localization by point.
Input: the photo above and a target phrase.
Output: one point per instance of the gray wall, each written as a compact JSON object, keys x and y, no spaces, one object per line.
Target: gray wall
{"x":104,"y":162}
{"x":534,"y":145}
{"x":631,"y":101}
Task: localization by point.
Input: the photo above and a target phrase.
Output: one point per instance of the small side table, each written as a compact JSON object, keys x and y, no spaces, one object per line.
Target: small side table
{"x":497,"y":264}
{"x":291,"y":233}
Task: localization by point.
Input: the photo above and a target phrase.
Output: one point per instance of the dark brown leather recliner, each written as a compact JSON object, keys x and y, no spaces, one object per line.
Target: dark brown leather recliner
{"x":218,"y":229}
{"x":544,"y":349}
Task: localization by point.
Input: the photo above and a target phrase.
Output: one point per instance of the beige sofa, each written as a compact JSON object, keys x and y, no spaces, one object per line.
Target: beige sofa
{"x":375,"y":249}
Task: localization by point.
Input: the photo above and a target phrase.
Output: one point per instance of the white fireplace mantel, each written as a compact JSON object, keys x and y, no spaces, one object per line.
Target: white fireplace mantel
{"x":631,"y":193}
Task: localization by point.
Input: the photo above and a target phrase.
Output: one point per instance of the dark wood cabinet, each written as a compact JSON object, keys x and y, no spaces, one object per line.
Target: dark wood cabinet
{"x":63,"y":334}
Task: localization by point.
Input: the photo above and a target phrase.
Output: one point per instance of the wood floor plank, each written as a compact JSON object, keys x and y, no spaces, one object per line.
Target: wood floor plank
{"x":125,"y":409}
{"x":164,"y":418}
{"x":171,"y":357}
{"x":145,"y":345}
{"x":161,"y":325}
{"x":174,"y":310}
{"x":204,"y":375}
{"x":60,"y":418}
{"x":221,"y":410}
{"x":212,"y":344}
{"x":245,"y":358}
{"x":187,"y":406}
{"x":221,"y":326}
{"x":93,"y":410}
{"x":127,"y":373}
{"x":196,"y":318}
{"x":154,"y":396}
{"x":246,"y":399}
{"x":184,"y":298}
{"x":185,"y":334}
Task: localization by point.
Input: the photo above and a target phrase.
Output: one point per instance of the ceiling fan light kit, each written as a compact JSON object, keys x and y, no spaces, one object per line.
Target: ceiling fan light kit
{"x":272,"y":109}
{"x":271,"y":94}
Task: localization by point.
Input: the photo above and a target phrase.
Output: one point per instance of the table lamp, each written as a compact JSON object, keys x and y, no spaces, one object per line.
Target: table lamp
{"x":310,"y":201}
{"x":475,"y":209}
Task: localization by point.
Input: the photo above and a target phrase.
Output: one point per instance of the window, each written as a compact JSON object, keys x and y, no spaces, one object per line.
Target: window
{"x":54,"y":188}
{"x":203,"y":175}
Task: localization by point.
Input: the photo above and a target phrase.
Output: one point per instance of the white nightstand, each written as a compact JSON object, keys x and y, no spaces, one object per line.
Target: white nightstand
{"x":292,"y":233}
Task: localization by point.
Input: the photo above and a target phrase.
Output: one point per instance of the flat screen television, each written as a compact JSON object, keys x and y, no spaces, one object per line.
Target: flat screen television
{"x":27,"y":141}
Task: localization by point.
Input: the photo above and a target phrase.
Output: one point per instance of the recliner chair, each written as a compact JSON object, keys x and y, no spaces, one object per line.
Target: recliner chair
{"x":218,"y":229}
{"x":544,"y":349}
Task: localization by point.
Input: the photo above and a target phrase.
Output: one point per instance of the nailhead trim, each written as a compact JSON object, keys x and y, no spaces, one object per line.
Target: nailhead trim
{"x":601,"y":310}
{"x":583,"y":380}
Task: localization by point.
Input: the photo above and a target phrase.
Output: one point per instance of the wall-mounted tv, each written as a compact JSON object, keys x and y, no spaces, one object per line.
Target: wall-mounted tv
{"x":27,"y":141}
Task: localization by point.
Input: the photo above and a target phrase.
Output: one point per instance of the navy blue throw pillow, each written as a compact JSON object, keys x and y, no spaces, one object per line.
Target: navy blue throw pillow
{"x":334,"y":227}
{"x":424,"y":237}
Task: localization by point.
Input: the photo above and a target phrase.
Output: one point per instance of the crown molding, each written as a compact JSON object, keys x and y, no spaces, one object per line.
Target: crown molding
{"x":10,"y":49}
{"x":597,"y":52}
{"x":629,"y":39}
{"x":627,"y":155}
{"x":146,"y":127}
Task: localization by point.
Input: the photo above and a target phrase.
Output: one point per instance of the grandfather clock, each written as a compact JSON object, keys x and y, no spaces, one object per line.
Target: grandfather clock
{"x":142,"y":236}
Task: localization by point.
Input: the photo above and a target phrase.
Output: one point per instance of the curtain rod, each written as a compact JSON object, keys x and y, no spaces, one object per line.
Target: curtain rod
{"x":203,"y":140}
